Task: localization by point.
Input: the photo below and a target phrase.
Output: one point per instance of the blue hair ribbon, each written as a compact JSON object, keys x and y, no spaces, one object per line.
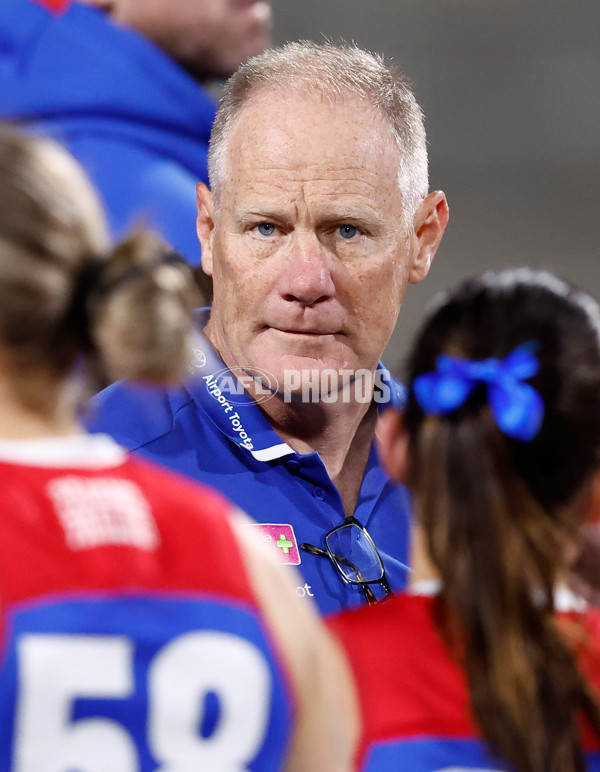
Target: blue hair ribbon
{"x":516,"y":407}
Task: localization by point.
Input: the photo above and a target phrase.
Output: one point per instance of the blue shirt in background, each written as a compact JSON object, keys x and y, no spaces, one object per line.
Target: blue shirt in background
{"x":135,"y":120}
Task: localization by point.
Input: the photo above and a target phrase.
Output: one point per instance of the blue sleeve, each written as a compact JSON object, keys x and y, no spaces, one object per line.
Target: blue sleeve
{"x":133,"y":415}
{"x":141,"y":188}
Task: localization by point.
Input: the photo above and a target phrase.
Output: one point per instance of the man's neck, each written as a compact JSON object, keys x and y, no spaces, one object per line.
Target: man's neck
{"x":341,"y":433}
{"x":328,"y":429}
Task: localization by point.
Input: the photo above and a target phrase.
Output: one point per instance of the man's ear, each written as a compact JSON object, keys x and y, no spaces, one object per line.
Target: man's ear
{"x":429,"y":226}
{"x":205,"y":225}
{"x":392,"y":444}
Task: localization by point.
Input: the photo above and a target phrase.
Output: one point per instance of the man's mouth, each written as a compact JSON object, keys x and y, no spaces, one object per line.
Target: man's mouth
{"x":311,"y":332}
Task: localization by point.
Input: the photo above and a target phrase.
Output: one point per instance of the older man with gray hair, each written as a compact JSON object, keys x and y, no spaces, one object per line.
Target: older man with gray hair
{"x":319,"y":218}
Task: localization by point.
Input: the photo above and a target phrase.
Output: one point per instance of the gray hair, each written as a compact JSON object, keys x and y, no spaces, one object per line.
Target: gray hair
{"x":334,"y":71}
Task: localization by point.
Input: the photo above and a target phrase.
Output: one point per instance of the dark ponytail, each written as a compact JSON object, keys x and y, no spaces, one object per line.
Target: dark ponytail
{"x":498,"y":513}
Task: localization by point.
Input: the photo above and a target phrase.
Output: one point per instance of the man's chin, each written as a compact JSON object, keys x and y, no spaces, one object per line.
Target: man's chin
{"x":300,"y":368}
{"x":302,"y":379}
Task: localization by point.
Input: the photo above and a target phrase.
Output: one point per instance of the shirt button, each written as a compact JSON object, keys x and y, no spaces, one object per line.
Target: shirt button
{"x":293,"y":465}
{"x":319,"y":493}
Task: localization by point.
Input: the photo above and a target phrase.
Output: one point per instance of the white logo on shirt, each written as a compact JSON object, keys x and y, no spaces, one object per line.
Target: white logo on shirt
{"x":103,"y":510}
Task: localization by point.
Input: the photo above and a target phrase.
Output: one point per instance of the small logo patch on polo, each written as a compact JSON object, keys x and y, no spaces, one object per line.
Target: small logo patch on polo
{"x":282,"y":539}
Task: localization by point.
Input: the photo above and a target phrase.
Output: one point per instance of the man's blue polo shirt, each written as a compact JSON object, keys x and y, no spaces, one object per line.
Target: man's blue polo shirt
{"x":220,"y":437}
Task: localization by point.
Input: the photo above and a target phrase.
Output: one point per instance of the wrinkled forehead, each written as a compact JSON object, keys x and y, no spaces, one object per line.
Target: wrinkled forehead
{"x":311,"y":133}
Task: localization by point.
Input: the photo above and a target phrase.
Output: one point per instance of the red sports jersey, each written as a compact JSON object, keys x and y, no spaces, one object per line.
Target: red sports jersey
{"x":414,"y":696}
{"x":131,"y":639}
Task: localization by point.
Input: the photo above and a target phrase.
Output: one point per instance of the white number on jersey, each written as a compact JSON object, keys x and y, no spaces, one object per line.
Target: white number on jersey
{"x":55,"y":670}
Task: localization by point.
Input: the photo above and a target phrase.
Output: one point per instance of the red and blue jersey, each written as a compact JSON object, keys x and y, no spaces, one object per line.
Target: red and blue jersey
{"x":131,"y":638}
{"x":414,"y":699}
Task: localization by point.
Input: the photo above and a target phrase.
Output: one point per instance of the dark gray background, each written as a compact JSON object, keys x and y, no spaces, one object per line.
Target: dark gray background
{"x":511,"y":92}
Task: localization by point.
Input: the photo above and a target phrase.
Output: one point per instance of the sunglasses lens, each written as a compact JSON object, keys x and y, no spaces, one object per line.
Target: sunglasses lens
{"x":355,"y":554}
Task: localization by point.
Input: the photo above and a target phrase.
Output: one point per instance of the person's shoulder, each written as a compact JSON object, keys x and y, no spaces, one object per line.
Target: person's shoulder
{"x":183,"y":506}
{"x":408,"y":682}
{"x":159,"y":189}
{"x":134,"y":414}
{"x":397,"y":609}
{"x":401,"y":628}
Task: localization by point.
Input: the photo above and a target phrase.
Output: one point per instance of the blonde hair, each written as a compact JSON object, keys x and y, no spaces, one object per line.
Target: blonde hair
{"x":65,"y":296}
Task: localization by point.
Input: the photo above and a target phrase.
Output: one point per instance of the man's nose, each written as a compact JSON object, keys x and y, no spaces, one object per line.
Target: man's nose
{"x":307,"y":278}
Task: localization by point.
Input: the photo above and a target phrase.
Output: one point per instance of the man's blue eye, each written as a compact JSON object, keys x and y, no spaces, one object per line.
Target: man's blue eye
{"x":266,"y":228}
{"x":348,"y":231}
